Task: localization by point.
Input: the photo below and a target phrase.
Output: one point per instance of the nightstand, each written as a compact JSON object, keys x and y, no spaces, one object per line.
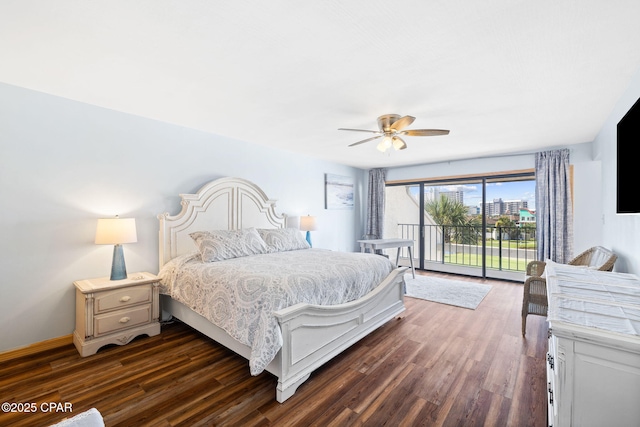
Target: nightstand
{"x":115,"y":311}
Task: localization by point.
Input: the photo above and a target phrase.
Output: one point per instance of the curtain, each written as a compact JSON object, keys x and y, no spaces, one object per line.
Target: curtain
{"x":375,"y":206}
{"x":554,"y":210}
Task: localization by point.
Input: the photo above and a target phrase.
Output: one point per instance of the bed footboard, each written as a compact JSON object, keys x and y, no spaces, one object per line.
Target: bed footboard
{"x":314,"y":334}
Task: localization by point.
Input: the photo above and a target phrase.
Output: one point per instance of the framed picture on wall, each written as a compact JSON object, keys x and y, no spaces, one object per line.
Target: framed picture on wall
{"x":338,"y":192}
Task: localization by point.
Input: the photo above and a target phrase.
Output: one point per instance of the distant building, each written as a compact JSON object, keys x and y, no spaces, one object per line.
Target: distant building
{"x":499,"y":207}
{"x":433,"y":193}
{"x":473,"y":210}
{"x":527,"y":216}
{"x":494,"y":208}
{"x":512,"y":207}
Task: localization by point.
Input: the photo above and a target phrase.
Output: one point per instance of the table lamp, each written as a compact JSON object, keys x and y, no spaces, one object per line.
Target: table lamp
{"x":308,"y":224}
{"x":116,"y":231}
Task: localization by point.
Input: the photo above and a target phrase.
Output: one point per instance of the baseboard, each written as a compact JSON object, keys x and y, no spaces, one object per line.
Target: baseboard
{"x":36,"y":348}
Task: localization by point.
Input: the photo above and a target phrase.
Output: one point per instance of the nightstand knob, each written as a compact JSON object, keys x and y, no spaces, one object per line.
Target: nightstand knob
{"x":125,"y":298}
{"x":124,"y":319}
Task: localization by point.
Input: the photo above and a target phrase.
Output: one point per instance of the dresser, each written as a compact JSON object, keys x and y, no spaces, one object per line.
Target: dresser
{"x":593,"y":359}
{"x":115,"y":311}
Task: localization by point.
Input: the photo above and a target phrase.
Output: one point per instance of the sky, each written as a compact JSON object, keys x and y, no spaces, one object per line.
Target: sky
{"x":513,"y":190}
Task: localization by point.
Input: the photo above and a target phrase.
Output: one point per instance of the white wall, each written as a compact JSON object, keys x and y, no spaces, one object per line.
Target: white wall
{"x":587,"y":206}
{"x":462,"y":167}
{"x":620,"y":232}
{"x":64,"y":164}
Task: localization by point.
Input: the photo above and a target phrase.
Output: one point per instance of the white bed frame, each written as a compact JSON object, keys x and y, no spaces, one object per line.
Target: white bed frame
{"x":312,"y":334}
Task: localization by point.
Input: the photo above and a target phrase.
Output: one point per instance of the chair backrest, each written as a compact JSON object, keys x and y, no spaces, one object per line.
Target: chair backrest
{"x":597,"y":257}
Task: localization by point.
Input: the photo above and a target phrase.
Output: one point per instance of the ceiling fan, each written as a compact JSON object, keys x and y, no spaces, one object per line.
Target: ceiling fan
{"x":391,"y":127}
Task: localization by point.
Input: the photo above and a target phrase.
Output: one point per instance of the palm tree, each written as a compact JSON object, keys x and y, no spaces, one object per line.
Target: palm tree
{"x":445,"y":211}
{"x":453,"y":217}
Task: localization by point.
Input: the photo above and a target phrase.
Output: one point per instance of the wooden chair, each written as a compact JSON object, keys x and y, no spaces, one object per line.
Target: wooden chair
{"x":534,"y":299}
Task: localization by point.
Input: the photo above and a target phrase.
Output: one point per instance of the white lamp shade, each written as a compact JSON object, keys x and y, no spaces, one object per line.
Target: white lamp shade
{"x":308,"y":223}
{"x":115,"y":231}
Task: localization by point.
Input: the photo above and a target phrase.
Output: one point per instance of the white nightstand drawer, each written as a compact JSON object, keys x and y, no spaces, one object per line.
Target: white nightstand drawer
{"x":122,"y":319}
{"x":125,"y":297}
{"x":115,"y":311}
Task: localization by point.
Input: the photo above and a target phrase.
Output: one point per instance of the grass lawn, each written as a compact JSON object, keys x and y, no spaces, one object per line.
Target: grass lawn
{"x":492,"y":262}
{"x":513,"y":244}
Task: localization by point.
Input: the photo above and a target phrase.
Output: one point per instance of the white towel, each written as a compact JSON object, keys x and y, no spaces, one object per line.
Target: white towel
{"x":90,"y":418}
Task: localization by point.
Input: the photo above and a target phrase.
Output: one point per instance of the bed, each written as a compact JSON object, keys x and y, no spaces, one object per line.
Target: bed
{"x":292,"y":333}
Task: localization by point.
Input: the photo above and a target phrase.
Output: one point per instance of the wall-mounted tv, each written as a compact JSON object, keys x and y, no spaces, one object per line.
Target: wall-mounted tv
{"x":627,"y":196}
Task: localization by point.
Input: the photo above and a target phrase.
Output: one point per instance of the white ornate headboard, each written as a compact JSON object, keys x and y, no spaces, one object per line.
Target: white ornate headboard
{"x":223,"y":204}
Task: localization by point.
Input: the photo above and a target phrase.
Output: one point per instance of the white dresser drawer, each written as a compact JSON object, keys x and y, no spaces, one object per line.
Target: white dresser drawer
{"x":120,"y":298}
{"x":122,"y":319}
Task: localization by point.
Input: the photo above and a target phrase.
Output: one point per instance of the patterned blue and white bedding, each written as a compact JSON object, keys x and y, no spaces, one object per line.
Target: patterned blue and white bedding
{"x":240,"y":294}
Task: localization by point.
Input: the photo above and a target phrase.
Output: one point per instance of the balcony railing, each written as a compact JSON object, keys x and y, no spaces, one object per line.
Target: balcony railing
{"x":506,"y":248}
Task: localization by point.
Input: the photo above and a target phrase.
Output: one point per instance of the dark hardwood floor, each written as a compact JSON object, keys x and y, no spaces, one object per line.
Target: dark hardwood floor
{"x":438,"y":365}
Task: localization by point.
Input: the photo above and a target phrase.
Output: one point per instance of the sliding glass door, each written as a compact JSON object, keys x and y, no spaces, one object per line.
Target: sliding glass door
{"x":481,"y":226}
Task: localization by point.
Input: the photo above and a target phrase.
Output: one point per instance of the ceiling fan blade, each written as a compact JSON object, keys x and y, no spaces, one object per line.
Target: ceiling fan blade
{"x":402,"y":123}
{"x":361,"y":130}
{"x":365,"y":140}
{"x":425,"y":132}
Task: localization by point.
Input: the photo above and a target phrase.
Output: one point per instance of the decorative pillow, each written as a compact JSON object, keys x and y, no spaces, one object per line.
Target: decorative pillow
{"x":219,"y":245}
{"x":283,"y":239}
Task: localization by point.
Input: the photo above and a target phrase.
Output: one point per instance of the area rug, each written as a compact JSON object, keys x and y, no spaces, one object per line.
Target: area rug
{"x":446,"y":291}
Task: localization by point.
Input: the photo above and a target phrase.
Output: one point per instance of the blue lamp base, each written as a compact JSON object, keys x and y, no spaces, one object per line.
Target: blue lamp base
{"x":118,"y":268}
{"x":309,"y":239}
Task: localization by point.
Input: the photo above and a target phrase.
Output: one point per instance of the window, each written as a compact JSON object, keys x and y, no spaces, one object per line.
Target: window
{"x":482,"y":225}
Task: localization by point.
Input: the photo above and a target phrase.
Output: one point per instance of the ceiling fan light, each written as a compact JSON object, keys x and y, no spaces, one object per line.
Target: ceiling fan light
{"x":385,"y":144}
{"x":398,"y":143}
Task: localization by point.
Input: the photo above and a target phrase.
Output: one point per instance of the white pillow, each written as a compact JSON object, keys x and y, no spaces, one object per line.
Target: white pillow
{"x":219,"y":245}
{"x":283,"y":239}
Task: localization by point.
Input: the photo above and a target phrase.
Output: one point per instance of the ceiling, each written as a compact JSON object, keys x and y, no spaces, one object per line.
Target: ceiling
{"x":505,"y":76}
